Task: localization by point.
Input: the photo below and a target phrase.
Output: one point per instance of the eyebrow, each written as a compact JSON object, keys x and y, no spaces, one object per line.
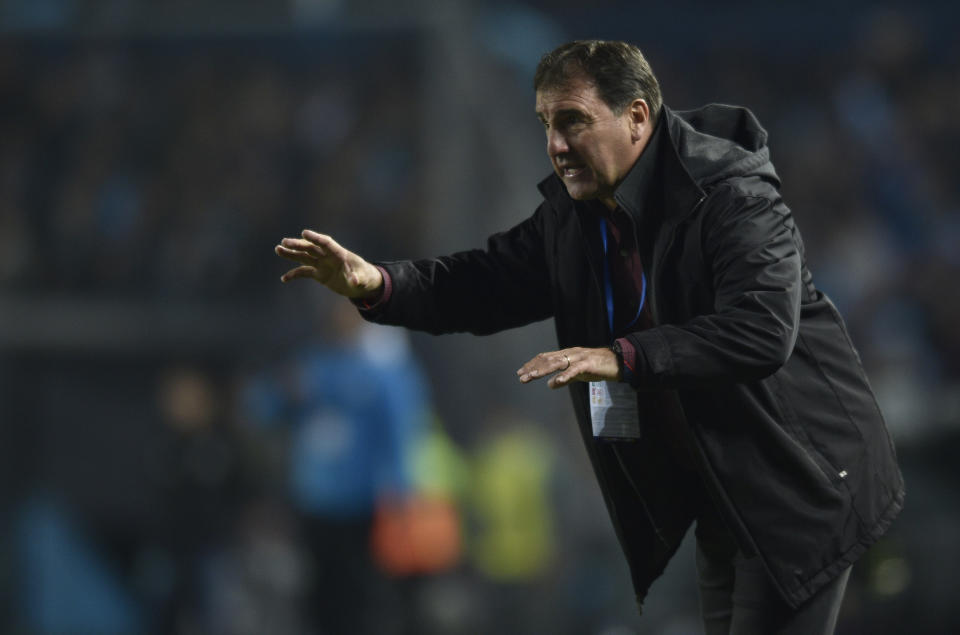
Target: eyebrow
{"x":566,"y":112}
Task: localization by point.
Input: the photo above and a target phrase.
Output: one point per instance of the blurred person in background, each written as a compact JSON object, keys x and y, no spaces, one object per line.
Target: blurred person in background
{"x":513,"y":542}
{"x":713,"y":382}
{"x":134,"y":559}
{"x":198,"y":467}
{"x":358,"y":410}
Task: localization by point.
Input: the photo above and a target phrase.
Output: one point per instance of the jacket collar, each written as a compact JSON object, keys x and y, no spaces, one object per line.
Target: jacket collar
{"x":659,"y":177}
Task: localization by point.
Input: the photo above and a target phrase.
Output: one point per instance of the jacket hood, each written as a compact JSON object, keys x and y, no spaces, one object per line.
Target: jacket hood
{"x":719,"y":141}
{"x":690,"y":150}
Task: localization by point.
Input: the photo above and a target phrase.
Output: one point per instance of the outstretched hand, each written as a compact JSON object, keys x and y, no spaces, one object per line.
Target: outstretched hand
{"x":572,"y":364}
{"x":324,"y":260}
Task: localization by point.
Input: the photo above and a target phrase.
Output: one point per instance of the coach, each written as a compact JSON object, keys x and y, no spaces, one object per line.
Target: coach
{"x":712,"y":381}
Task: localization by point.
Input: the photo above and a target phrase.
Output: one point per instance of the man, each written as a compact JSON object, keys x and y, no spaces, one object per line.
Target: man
{"x":711,"y":380}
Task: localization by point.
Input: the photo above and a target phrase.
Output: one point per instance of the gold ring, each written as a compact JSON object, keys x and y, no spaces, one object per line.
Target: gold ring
{"x":568,"y":361}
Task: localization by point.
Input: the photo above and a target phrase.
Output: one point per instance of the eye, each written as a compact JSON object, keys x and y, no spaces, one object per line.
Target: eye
{"x":573,"y":121}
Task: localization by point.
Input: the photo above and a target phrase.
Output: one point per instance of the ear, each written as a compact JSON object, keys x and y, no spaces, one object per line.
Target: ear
{"x":639,"y":113}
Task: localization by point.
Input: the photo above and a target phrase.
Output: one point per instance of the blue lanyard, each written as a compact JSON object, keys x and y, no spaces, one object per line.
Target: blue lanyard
{"x":608,"y":285}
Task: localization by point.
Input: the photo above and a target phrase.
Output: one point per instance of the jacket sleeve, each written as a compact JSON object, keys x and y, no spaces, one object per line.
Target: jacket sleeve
{"x":480,"y":291}
{"x":751,"y":251}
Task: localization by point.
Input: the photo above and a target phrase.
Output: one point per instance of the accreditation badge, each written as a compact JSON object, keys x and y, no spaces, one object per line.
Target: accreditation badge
{"x":613,"y":410}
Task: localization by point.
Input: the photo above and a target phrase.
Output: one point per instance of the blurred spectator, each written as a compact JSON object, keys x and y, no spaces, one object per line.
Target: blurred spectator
{"x":96,"y":555}
{"x":358,"y":408}
{"x":513,"y":542}
{"x":195,"y":465}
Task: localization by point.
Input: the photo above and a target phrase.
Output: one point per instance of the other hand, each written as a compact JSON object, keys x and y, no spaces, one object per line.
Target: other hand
{"x":571,"y":364}
{"x":338,"y":269}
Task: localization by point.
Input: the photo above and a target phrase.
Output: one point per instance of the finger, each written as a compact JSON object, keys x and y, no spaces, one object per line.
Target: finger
{"x":292,"y":254}
{"x":571,"y":374}
{"x":544,"y":364}
{"x":532,"y":368}
{"x":299,"y":272}
{"x":560,"y":379}
{"x":299,"y":244}
{"x":327,"y":244}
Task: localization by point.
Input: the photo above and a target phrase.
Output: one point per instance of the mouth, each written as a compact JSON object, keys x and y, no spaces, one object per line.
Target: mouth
{"x":571,"y":172}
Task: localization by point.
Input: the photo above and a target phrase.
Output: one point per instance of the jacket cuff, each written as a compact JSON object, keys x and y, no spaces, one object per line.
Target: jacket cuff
{"x":628,"y":361}
{"x":374,"y":305}
{"x":653,"y":362}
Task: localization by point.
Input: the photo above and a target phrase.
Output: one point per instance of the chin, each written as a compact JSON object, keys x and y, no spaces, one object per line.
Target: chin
{"x":582,"y":194}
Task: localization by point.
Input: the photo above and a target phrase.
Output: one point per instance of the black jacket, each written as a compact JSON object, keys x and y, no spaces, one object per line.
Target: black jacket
{"x":786,"y":434}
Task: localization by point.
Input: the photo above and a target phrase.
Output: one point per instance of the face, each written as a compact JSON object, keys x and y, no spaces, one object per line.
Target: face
{"x":591,"y":148}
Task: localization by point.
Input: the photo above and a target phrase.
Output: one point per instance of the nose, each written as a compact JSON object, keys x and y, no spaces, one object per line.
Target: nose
{"x":556,"y":143}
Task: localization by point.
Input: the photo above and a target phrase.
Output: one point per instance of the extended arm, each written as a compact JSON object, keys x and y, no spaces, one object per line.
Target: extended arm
{"x":480,"y":291}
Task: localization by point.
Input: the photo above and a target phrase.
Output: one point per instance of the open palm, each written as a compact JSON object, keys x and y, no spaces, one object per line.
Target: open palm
{"x":324,"y":260}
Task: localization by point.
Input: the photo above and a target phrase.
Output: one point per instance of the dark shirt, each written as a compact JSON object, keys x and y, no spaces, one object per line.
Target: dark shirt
{"x":627,"y":282}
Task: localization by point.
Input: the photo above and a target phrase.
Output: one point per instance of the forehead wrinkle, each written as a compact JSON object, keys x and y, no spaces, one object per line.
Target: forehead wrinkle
{"x":578,"y":105}
{"x":581,"y":93}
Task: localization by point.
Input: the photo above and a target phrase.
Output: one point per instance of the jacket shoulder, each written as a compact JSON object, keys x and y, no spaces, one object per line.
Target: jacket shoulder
{"x":736,"y":190}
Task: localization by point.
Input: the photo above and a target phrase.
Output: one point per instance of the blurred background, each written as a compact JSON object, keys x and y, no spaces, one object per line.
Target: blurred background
{"x":188,"y":446}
